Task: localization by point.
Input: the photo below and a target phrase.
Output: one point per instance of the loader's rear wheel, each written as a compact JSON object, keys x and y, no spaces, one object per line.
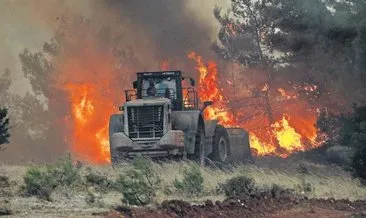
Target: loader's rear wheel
{"x":221,"y":145}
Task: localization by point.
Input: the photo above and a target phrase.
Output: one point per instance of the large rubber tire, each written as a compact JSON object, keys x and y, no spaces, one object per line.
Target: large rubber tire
{"x":115,"y":125}
{"x":221,"y":145}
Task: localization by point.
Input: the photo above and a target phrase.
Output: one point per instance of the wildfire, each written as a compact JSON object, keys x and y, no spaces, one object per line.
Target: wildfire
{"x":92,"y":102}
{"x":259,"y":147}
{"x":92,"y":86}
{"x":90,"y":134}
{"x":265,"y":88}
{"x":281,"y":138}
{"x":208,"y":91}
{"x":286,"y":95}
{"x":287,"y":137}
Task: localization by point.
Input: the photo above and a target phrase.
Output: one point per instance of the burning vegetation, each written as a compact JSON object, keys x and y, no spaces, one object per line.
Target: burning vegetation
{"x":90,"y":129}
{"x":281,"y":138}
{"x":91,"y":101}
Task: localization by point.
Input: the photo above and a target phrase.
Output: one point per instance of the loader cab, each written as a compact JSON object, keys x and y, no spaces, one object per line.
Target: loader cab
{"x":165,"y":84}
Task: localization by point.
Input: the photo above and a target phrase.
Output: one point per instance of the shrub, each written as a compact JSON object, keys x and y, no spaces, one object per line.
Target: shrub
{"x":192,"y":183}
{"x":349,"y":131}
{"x":359,"y":164}
{"x":42,"y":181}
{"x":4,"y":182}
{"x":237,"y":186}
{"x":66,"y":173}
{"x":139,"y":184}
{"x":305,"y":187}
{"x":278,"y":192}
{"x":340,"y":155}
{"x":93,"y":199}
{"x":5,"y":211}
{"x":101,"y":182}
{"x":303,"y":169}
{"x":39,"y":182}
{"x":353,"y":134}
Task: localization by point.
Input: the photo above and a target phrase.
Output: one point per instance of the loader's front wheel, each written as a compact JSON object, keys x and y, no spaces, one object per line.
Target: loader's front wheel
{"x":199,"y":150}
{"x":116,"y":158}
{"x":115,"y":125}
{"x":221,"y":146}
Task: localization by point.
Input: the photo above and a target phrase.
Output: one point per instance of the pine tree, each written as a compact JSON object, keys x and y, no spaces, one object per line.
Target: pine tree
{"x":4,"y":126}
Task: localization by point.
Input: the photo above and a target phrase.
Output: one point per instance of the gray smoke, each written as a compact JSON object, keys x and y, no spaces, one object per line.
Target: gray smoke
{"x":154,"y":30}
{"x":168,"y":24}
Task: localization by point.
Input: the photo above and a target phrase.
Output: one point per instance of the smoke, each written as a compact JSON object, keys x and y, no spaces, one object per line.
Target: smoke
{"x":167,"y":24}
{"x":172,"y":28}
{"x":101,"y":44}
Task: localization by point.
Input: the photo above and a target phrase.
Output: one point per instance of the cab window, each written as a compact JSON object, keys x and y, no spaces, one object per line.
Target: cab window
{"x":159,"y":87}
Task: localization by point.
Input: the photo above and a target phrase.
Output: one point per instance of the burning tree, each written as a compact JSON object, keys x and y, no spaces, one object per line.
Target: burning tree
{"x":288,"y":140}
{"x":289,"y":56}
{"x":300,"y":46}
{"x":244,"y":37}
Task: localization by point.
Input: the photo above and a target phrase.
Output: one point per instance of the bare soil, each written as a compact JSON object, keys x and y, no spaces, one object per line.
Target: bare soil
{"x":265,"y":204}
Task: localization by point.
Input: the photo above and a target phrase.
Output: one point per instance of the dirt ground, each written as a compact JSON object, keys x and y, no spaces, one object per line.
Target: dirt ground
{"x":276,"y":205}
{"x":230,"y":208}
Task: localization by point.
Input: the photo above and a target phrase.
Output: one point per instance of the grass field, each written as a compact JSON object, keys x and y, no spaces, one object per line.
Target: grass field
{"x":309,"y":179}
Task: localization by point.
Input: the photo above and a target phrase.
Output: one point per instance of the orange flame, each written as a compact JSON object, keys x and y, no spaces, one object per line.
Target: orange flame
{"x":90,"y":116}
{"x":259,"y":147}
{"x":88,"y":79}
{"x":287,"y":137}
{"x":208,"y":91}
{"x":283,"y":137}
{"x":285,"y":94}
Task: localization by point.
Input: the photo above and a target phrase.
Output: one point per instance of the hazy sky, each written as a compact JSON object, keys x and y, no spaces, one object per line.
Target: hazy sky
{"x":18,"y":31}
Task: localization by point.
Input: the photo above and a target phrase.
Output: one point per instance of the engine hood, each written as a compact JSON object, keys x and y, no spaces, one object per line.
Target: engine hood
{"x":148,"y":101}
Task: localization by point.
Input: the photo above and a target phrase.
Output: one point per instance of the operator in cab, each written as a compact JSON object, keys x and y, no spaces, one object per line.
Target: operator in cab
{"x":151,"y":91}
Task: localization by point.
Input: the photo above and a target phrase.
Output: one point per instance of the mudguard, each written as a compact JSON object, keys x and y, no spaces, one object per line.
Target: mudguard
{"x":189,"y":122}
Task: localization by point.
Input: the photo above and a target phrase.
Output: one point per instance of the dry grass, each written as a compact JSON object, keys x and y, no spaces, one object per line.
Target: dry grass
{"x":312,"y":180}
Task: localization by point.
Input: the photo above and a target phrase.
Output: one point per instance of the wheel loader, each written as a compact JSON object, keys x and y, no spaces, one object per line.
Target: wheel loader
{"x":162,"y":119}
